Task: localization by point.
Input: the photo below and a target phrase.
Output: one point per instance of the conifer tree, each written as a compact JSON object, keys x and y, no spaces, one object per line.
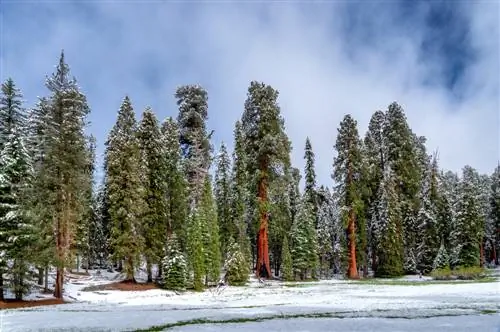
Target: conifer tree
{"x":195,"y":143}
{"x":210,"y":234}
{"x":348,"y":177}
{"x":223,"y":197}
{"x":125,"y":190}
{"x":15,"y":177}
{"x":387,"y":228}
{"x":442,"y":260}
{"x":310,"y":178}
{"x":239,"y":192}
{"x":174,"y":265}
{"x":465,"y":235}
{"x":494,"y":224}
{"x":63,"y":175}
{"x":304,"y":245}
{"x":326,"y":220}
{"x":267,"y":149}
{"x":175,"y":183}
{"x":402,"y":156}
{"x":235,"y":265}
{"x":427,"y":219}
{"x":286,"y":261}
{"x":154,"y":173}
{"x":196,"y":259}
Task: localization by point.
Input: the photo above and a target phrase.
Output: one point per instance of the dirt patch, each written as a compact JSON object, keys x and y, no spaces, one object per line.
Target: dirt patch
{"x":13,"y":304}
{"x":123,"y":286}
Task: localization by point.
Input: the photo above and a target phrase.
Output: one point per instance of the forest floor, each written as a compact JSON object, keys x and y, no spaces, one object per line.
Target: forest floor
{"x":99,"y":302}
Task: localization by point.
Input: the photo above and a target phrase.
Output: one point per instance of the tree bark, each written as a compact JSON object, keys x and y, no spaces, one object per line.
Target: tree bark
{"x":1,"y":286}
{"x":40,"y":276}
{"x":149,"y":271}
{"x":46,"y":282}
{"x":481,"y":254}
{"x":494,"y":257}
{"x":60,"y":269}
{"x":130,"y":270}
{"x":263,"y":268}
{"x":353,"y":270}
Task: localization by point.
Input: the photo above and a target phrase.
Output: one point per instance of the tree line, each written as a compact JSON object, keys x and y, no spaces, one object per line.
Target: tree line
{"x":391,"y":210}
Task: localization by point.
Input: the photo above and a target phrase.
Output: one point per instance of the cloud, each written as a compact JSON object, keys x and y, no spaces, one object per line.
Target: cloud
{"x":325,"y":59}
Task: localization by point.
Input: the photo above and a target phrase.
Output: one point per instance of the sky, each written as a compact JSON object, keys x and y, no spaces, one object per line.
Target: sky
{"x":438,"y":59}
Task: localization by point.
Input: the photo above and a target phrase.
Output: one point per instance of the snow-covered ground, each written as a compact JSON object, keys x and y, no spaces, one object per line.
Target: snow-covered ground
{"x":327,"y":301}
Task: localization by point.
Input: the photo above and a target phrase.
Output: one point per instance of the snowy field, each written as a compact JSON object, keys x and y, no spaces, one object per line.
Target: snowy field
{"x":317,"y":306}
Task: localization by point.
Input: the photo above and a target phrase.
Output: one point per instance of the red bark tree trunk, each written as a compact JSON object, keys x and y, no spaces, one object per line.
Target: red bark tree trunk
{"x":263,"y":268}
{"x":353,"y":269}
{"x":481,"y":254}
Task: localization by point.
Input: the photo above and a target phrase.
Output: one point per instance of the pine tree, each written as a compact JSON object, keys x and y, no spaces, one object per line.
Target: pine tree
{"x":63,"y":174}
{"x":175,"y":266}
{"x":324,"y":230}
{"x":223,"y":197}
{"x":195,"y":254}
{"x":442,"y":260}
{"x":376,"y":156}
{"x":465,"y":235}
{"x":485,"y":215}
{"x":402,"y":156}
{"x":15,"y":177}
{"x":427,"y":219}
{"x":286,"y":261}
{"x":125,"y":190}
{"x":310,"y":178}
{"x":175,"y":182}
{"x":235,"y":265}
{"x":239,"y":192}
{"x":387,"y":228}
{"x":348,"y":176}
{"x":154,"y":175}
{"x":210,"y":234}
{"x":267,"y":149}
{"x":304,"y":245}
{"x":494,"y":225}
{"x":195,"y":143}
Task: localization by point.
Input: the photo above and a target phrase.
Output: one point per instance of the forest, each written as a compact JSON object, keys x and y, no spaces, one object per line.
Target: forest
{"x":194,"y":215}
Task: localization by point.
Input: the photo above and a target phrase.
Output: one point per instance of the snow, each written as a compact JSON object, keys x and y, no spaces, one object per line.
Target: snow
{"x":119,"y":310}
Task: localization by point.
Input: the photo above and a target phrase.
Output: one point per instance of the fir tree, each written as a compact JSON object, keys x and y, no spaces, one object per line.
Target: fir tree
{"x":235,"y":265}
{"x":195,"y":143}
{"x":154,"y":174}
{"x":427,"y":219}
{"x":223,"y":197}
{"x":348,"y":176}
{"x":210,"y":234}
{"x":465,"y":235}
{"x":442,"y":261}
{"x":239,"y":193}
{"x":175,"y":182}
{"x":304,"y":245}
{"x":402,"y":156}
{"x":125,"y":190}
{"x":310,"y":178}
{"x":387,"y":229}
{"x":494,"y":220}
{"x":15,"y":177}
{"x":196,"y":259}
{"x":63,"y":174}
{"x":326,"y":221}
{"x":286,"y":261}
{"x":174,"y":265}
{"x":267,"y":149}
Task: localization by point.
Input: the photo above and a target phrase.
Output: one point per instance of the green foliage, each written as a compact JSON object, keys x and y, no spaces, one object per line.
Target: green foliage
{"x":174,"y":266}
{"x":125,"y":189}
{"x":236,"y":265}
{"x":460,"y":273}
{"x":223,"y":197}
{"x":304,"y":242}
{"x":286,"y":261}
{"x":196,"y":259}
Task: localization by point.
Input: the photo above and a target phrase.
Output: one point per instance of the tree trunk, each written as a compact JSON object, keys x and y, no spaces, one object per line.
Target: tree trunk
{"x":353,"y":270}
{"x":46,"y":282}
{"x":262,"y":268}
{"x":60,"y":268}
{"x":481,"y":254}
{"x":160,"y":271}
{"x":1,"y":286}
{"x":40,"y":276}
{"x":130,"y":270}
{"x":494,"y":253}
{"x":78,"y":262}
{"x":149,"y":271}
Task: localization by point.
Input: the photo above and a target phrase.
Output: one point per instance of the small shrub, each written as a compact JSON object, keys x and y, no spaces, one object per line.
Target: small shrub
{"x":236,"y":266}
{"x":442,"y":274}
{"x":174,"y":265}
{"x":469,"y":273}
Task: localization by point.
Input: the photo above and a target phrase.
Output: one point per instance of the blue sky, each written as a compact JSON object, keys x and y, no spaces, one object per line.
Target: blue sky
{"x":440,"y":60}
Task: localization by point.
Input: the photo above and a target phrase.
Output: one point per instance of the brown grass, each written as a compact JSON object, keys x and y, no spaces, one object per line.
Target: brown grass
{"x":13,"y":304}
{"x":123,"y":286}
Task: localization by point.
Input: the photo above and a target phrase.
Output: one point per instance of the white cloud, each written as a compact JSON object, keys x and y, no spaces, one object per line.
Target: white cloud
{"x":302,"y":55}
